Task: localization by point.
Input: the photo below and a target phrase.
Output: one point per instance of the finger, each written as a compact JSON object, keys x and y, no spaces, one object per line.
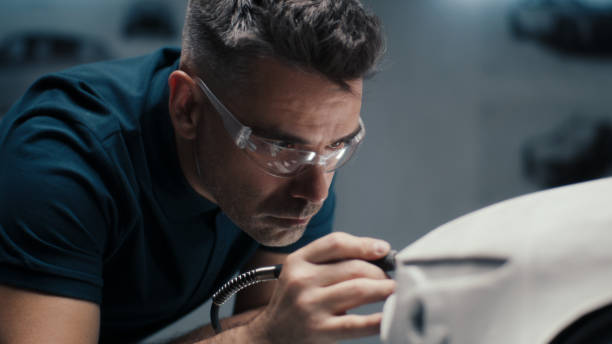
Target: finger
{"x":349,"y":294}
{"x":333,"y":273}
{"x":353,"y":326}
{"x":339,"y":246}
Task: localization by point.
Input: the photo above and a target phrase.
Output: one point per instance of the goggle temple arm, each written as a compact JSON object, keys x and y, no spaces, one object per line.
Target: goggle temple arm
{"x":237,"y":130}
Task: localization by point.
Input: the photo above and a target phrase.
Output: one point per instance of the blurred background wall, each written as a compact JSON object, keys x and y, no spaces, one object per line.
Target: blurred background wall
{"x":477,"y":100}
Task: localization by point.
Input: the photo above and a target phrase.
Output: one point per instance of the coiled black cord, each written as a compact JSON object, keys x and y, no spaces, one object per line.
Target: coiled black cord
{"x":238,"y":283}
{"x":267,"y":273}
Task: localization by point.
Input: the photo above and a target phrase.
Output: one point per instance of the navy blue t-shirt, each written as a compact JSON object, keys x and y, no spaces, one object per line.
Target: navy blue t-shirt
{"x":94,"y":206}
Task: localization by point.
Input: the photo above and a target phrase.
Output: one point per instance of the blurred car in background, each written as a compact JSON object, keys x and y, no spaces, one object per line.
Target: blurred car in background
{"x":55,"y":35}
{"x":578,"y":149}
{"x":567,"y":24}
{"x":38,"y":47}
{"x":27,"y":55}
{"x":150,"y":19}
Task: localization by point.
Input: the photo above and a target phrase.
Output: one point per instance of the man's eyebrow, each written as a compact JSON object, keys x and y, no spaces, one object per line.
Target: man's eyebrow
{"x":351,"y":135}
{"x":280,"y":135}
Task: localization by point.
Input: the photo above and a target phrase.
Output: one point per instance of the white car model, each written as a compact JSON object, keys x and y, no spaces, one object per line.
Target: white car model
{"x":530,"y":270}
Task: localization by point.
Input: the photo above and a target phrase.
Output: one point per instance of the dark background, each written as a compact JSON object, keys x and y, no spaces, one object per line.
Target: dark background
{"x":449,"y":117}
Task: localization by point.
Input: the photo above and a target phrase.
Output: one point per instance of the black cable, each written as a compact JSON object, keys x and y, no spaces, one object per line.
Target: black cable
{"x":267,"y":273}
{"x":238,"y":283}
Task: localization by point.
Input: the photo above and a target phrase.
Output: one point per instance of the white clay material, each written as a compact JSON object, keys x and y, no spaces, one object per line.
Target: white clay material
{"x":519,"y":271}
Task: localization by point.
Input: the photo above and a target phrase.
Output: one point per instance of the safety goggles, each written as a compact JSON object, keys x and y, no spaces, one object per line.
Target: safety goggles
{"x":272,"y":156}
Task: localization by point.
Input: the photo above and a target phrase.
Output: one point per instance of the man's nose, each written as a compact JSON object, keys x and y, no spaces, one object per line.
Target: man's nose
{"x":312,"y":184}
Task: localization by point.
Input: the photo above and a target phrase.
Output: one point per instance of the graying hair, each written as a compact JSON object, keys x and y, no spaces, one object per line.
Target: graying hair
{"x":336,"y":38}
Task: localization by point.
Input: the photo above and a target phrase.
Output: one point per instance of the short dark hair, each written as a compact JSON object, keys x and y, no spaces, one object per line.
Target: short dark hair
{"x":339,"y":39}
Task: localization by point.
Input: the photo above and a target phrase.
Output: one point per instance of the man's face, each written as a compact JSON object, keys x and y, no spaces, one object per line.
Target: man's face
{"x":305,"y":111}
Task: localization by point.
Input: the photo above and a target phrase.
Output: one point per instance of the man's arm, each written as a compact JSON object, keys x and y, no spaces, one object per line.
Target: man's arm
{"x":31,"y":317}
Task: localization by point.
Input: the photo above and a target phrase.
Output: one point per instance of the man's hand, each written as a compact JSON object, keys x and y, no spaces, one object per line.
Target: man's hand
{"x":318,"y":284}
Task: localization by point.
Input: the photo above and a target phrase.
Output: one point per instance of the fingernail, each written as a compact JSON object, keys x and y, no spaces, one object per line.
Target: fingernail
{"x":381,"y":247}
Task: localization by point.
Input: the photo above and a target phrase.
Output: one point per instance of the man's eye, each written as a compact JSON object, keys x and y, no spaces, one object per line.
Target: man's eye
{"x":337,"y":145}
{"x":285,"y":144}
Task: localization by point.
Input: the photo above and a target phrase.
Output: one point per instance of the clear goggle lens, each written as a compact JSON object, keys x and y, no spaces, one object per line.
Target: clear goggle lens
{"x":274,"y":159}
{"x":285,"y":162}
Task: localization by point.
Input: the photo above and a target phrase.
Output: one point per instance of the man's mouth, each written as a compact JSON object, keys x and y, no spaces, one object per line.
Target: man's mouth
{"x":290,"y":220}
{"x":292,"y":217}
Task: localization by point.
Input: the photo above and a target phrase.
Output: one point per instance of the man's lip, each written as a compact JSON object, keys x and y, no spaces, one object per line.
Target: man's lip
{"x":291,"y":219}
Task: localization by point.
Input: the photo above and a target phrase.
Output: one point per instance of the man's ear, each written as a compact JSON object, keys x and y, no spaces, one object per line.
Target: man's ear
{"x":182,"y":105}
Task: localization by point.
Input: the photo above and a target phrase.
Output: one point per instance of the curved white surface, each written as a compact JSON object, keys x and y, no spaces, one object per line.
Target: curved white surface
{"x":515,"y":272}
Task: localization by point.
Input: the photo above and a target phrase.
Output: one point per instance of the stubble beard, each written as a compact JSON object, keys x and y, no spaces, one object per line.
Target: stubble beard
{"x":264,"y":226}
{"x":257,"y":217}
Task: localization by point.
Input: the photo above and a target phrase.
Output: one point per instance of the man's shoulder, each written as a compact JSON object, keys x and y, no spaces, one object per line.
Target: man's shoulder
{"x":105,"y":96}
{"x":134,"y":74}
{"x":88,"y":120}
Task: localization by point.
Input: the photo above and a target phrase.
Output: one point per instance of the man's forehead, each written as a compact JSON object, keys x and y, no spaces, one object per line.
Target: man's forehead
{"x":286,"y":103}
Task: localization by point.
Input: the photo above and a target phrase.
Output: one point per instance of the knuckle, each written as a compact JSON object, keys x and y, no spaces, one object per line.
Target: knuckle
{"x":364,"y":247}
{"x":351,"y":324}
{"x":357,"y":268}
{"x":389,"y":288}
{"x":292,"y":259}
{"x":355,"y":288}
{"x":341,"y":235}
{"x":376,"y":273}
{"x":360,"y":289}
{"x":297,"y":279}
{"x":380,"y":289}
{"x":293,"y":279}
{"x":305,"y":301}
{"x":337,"y":239}
{"x":364,"y":288}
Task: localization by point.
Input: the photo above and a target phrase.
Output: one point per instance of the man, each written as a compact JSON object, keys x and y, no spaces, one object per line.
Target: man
{"x":132,"y":189}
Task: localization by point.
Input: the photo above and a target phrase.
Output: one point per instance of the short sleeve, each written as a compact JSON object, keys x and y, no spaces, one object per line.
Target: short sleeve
{"x":54,"y":208}
{"x":320,"y":225}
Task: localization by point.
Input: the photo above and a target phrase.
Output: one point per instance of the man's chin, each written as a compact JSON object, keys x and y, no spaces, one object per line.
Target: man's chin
{"x":275,"y":236}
